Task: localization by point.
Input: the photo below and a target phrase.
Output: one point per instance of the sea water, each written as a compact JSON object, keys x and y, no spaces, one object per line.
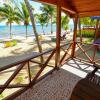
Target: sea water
{"x":20,"y":30}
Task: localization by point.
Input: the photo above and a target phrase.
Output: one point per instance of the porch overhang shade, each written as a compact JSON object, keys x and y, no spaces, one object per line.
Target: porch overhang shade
{"x":82,"y":8}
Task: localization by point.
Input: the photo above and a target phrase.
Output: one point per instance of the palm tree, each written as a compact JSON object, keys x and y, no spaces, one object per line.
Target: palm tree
{"x":64,"y":22}
{"x":9,"y":14}
{"x":42,"y":19}
{"x":34,"y":27}
{"x":50,"y":12}
{"x":87,"y":21}
{"x":24,"y":16}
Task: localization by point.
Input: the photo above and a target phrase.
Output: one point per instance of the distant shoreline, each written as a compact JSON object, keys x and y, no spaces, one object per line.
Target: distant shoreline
{"x":20,"y":30}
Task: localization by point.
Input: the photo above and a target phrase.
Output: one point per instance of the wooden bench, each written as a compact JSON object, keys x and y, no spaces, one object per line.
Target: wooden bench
{"x":87,"y":88}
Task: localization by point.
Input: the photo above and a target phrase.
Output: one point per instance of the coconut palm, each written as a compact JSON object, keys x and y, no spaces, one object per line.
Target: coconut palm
{"x":42,"y":19}
{"x":34,"y":27}
{"x":50,"y":12}
{"x":8,"y":13}
{"x":87,"y":21}
{"x":64,"y":22}
{"x":23,"y":15}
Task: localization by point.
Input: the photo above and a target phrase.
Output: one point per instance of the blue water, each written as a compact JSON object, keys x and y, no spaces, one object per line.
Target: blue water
{"x":20,"y":30}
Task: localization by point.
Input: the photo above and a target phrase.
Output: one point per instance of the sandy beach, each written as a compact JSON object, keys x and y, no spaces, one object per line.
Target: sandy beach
{"x":24,"y":48}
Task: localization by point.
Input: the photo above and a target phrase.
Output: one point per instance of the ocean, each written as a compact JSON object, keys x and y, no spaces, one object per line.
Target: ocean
{"x":19,"y":30}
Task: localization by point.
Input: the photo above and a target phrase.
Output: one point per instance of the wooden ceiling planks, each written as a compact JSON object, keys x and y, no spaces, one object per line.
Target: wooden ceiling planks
{"x":81,"y":7}
{"x":86,"y":7}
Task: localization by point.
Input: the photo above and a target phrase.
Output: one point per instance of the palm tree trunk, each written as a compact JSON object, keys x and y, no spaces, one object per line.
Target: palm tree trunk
{"x":51,"y":25}
{"x":10,"y":31}
{"x":43,"y":30}
{"x":26,"y":31}
{"x":34,"y":28}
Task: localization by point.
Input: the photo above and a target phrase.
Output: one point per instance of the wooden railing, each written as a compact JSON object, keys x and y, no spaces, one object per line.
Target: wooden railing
{"x":81,"y":53}
{"x":26,"y":63}
{"x":88,"y":52}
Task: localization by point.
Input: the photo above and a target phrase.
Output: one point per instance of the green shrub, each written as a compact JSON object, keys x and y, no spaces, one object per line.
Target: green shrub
{"x":86,"y":33}
{"x":14,"y":42}
{"x":53,"y":39}
{"x":10,"y":43}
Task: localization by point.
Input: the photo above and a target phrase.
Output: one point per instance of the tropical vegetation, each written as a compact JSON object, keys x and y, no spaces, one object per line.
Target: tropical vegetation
{"x":50,"y":12}
{"x":87,"y":22}
{"x":64,"y":22}
{"x":9,"y":13}
{"x":34,"y":28}
{"x":43,"y":20}
{"x":24,"y":16}
{"x":86,"y":33}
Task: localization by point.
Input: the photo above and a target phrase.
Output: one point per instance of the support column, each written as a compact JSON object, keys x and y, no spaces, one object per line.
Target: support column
{"x":58,"y":32}
{"x":96,"y":31}
{"x":79,"y":27}
{"x":74,"y":36}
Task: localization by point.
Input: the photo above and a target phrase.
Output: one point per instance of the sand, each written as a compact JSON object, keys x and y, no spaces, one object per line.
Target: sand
{"x":24,"y":48}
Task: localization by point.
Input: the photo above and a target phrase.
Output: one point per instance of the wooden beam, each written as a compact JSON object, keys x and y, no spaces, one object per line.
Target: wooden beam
{"x":64,"y":6}
{"x":67,"y":6}
{"x":58,"y":34}
{"x":74,"y":35}
{"x":42,"y":68}
{"x":89,"y":13}
{"x":71,"y":15}
{"x":32,"y":56}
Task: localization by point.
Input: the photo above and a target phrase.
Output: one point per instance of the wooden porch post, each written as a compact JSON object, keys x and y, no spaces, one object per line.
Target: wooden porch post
{"x":79,"y":26}
{"x":74,"y":36}
{"x":58,"y":32}
{"x":96,"y":31}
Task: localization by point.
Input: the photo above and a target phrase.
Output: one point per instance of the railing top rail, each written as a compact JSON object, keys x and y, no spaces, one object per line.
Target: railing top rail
{"x":88,"y":43}
{"x":29,"y":58}
{"x":25,"y":59}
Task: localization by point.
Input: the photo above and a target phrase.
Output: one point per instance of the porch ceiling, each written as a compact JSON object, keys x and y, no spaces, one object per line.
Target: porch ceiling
{"x":80,"y":7}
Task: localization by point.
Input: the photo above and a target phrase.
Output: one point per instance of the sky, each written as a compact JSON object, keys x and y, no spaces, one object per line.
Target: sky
{"x":36,"y":5}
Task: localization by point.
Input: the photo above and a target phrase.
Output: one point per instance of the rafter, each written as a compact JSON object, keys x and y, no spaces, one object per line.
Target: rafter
{"x":64,"y":6}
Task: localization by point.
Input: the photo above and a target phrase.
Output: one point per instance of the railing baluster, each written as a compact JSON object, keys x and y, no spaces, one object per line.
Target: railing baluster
{"x":64,"y":56}
{"x":42,"y":68}
{"x":84,"y":53}
{"x":12,"y":77}
{"x":84,"y":50}
{"x":29,"y":74}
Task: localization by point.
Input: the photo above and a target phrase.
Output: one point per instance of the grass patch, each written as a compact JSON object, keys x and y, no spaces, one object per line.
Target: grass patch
{"x":10,"y":43}
{"x":88,"y":40}
{"x":53,"y":39}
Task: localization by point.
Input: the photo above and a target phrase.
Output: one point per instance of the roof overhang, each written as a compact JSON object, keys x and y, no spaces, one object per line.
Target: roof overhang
{"x":64,"y":6}
{"x":82,"y":8}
